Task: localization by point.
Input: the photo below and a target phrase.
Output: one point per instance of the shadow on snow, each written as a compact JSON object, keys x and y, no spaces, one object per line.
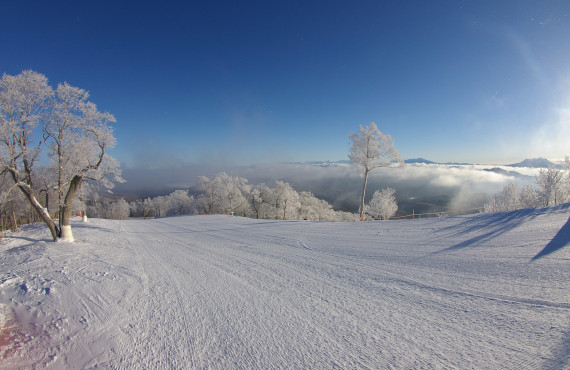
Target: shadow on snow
{"x":560,"y":240}
{"x":492,"y":225}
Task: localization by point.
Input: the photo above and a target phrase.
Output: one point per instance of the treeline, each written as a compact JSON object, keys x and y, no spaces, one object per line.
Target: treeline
{"x":552,"y":188}
{"x":220,"y":194}
{"x":92,"y":199}
{"x":232,"y":195}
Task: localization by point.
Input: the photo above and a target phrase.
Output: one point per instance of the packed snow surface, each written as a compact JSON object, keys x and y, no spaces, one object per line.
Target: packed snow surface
{"x":484,"y":291}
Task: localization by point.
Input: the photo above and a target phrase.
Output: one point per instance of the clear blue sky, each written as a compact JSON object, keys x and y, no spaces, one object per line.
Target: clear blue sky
{"x":261,"y":81}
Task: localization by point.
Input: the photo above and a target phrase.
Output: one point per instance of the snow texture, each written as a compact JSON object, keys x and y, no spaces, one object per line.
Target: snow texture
{"x":484,"y":291}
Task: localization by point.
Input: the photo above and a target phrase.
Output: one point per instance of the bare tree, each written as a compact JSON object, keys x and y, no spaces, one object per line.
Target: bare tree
{"x":372,"y":149}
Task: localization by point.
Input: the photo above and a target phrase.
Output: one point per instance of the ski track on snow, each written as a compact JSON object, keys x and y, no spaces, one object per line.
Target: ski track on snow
{"x":227,"y":292}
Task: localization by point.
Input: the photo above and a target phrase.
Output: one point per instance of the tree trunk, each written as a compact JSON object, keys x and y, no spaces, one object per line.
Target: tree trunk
{"x":363,"y":194}
{"x":43,"y":213}
{"x":28,"y":191}
{"x":14,"y":222}
{"x":74,"y":186}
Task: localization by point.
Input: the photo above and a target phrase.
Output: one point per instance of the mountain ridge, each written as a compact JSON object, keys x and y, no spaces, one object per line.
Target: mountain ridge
{"x":536,"y":163}
{"x":528,"y":162}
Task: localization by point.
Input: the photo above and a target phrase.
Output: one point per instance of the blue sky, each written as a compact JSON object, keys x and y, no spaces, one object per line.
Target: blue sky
{"x":262,"y":81}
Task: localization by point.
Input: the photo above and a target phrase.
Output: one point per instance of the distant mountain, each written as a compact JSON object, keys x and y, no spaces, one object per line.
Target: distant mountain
{"x":408,"y":161}
{"x":535,"y":163}
{"x":321,"y":163}
{"x":419,"y":160}
{"x":426,"y":161}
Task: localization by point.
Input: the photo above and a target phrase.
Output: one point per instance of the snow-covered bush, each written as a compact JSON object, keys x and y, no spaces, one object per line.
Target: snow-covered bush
{"x":383,"y":204}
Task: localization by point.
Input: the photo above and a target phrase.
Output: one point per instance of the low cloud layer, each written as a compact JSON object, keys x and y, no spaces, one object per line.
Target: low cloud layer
{"x":418,"y":187}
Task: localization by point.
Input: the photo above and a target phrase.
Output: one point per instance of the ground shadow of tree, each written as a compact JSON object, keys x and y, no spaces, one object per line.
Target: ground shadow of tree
{"x":560,"y":240}
{"x":488,"y":226}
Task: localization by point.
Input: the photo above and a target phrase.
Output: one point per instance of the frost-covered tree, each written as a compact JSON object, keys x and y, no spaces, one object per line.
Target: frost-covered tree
{"x":310,"y":208}
{"x":527,"y":197}
{"x":314,"y":209}
{"x":232,"y":190}
{"x":44,"y":180}
{"x":147,"y":208}
{"x":286,"y":200}
{"x":507,"y":199}
{"x":23,"y":100}
{"x":12,"y":204}
{"x":510,"y":197}
{"x":372,"y":149}
{"x":179,"y":202}
{"x":550,"y":189}
{"x":346,"y":216}
{"x":258,"y":197}
{"x":161,"y":206}
{"x":35,"y":122}
{"x":383,"y":204}
{"x":78,"y":136}
{"x":117,"y":210}
{"x":87,"y":199}
{"x":210,"y":196}
{"x":79,"y":203}
{"x":567,"y":177}
{"x":550,"y":192}
{"x":223,"y":194}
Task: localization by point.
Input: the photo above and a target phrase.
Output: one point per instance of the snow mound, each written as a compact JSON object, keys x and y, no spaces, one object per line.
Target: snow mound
{"x":484,"y":291}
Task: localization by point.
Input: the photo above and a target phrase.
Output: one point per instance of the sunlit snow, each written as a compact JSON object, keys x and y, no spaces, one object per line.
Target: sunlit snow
{"x":484,"y":291}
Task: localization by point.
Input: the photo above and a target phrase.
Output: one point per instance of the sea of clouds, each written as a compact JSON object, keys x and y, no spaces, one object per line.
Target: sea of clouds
{"x":419,"y":187}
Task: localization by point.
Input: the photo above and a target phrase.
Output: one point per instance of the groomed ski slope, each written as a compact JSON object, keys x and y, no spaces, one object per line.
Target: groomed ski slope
{"x":484,"y":291}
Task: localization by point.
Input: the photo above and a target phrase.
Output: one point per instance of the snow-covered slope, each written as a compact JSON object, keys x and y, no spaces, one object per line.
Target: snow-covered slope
{"x":485,"y":291}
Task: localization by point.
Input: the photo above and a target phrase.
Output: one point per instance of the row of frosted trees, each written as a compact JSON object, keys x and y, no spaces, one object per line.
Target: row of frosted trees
{"x":552,"y":188}
{"x":232,"y":195}
{"x":15,"y":209}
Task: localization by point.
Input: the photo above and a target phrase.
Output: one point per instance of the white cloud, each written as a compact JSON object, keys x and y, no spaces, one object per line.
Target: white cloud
{"x":340,"y":184}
